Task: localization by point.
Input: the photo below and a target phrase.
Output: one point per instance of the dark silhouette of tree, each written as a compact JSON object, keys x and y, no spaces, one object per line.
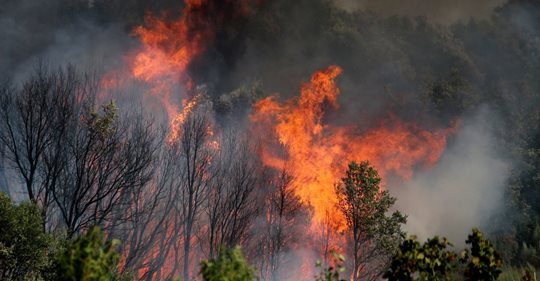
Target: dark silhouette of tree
{"x":103,"y":159}
{"x":286,"y":219}
{"x":33,"y":118}
{"x":194,"y":155}
{"x":232,"y":202}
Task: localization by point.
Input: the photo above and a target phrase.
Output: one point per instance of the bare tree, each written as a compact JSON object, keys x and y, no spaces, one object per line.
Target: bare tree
{"x":32,"y":120}
{"x":145,"y":217}
{"x":285,"y":218}
{"x":102,"y":158}
{"x":195,"y":155}
{"x":4,"y":89}
{"x":327,"y":236}
{"x":232,"y":203}
{"x":166,"y":216}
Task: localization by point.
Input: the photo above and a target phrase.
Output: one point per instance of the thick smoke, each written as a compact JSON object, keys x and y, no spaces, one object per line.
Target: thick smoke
{"x":463,"y":190}
{"x":58,"y":33}
{"x":437,"y":11}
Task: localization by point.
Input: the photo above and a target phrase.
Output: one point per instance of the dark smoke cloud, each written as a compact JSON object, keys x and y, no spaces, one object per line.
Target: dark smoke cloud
{"x":437,"y":11}
{"x":94,"y":32}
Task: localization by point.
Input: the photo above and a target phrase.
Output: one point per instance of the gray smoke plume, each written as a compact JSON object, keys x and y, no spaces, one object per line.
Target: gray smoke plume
{"x":463,"y":190}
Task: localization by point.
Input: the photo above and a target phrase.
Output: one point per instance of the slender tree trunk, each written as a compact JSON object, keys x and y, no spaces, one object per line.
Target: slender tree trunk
{"x":187,"y":248}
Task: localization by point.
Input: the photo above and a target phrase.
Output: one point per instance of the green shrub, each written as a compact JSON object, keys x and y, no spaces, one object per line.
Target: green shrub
{"x":332,"y":272}
{"x":24,"y":246}
{"x":433,"y":261}
{"x":88,"y":258}
{"x":230,"y":265}
{"x":483,"y":262}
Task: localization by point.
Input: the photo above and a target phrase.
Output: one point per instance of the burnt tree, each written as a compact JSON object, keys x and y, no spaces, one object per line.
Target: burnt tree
{"x":285,"y":220}
{"x":232,"y":202}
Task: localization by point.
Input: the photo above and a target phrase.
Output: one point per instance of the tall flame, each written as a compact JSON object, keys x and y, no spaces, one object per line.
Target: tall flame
{"x":169,"y":48}
{"x":318,"y":154}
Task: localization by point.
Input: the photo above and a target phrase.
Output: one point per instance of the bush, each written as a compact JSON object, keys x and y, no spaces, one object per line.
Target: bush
{"x":433,"y":261}
{"x":483,"y":262}
{"x":88,"y":258}
{"x":332,"y":272}
{"x":24,"y":246}
{"x":430,"y":261}
{"x":230,"y":265}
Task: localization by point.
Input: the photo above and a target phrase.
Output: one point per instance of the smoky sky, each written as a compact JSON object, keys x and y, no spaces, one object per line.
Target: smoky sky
{"x":438,"y":11}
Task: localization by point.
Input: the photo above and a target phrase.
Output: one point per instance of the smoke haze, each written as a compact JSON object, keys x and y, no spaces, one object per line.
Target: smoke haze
{"x":463,"y":190}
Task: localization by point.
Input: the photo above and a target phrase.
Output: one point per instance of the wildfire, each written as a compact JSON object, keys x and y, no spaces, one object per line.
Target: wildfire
{"x":168,"y":49}
{"x":317,"y":154}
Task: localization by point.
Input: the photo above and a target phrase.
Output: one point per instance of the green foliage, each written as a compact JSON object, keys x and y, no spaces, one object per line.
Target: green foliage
{"x":374,"y":234}
{"x":430,"y":261}
{"x":230,"y":265}
{"x":24,"y":246}
{"x":88,"y":258}
{"x":103,"y":125}
{"x":433,"y":261}
{"x":450,"y":96}
{"x":483,"y":262}
{"x":27,"y":253}
{"x":365,"y":205}
{"x":331,"y":273}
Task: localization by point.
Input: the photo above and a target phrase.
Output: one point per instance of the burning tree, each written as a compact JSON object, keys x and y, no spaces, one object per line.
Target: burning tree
{"x":195,"y":158}
{"x":372,"y":235}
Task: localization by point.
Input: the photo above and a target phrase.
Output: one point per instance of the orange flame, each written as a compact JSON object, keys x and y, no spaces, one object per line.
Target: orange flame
{"x":318,"y":154}
{"x":169,"y":48}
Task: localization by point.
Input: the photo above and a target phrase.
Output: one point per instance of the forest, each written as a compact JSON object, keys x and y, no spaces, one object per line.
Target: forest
{"x":272,"y":140}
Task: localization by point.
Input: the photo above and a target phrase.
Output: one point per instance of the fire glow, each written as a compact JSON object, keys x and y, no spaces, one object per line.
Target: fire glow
{"x":317,"y":154}
{"x":168,"y":50}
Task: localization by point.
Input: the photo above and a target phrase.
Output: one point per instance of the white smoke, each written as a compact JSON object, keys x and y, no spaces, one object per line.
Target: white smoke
{"x":462,"y":191}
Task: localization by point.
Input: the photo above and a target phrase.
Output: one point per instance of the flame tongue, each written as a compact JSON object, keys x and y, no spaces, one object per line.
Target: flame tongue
{"x":318,"y":154}
{"x":169,"y":48}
